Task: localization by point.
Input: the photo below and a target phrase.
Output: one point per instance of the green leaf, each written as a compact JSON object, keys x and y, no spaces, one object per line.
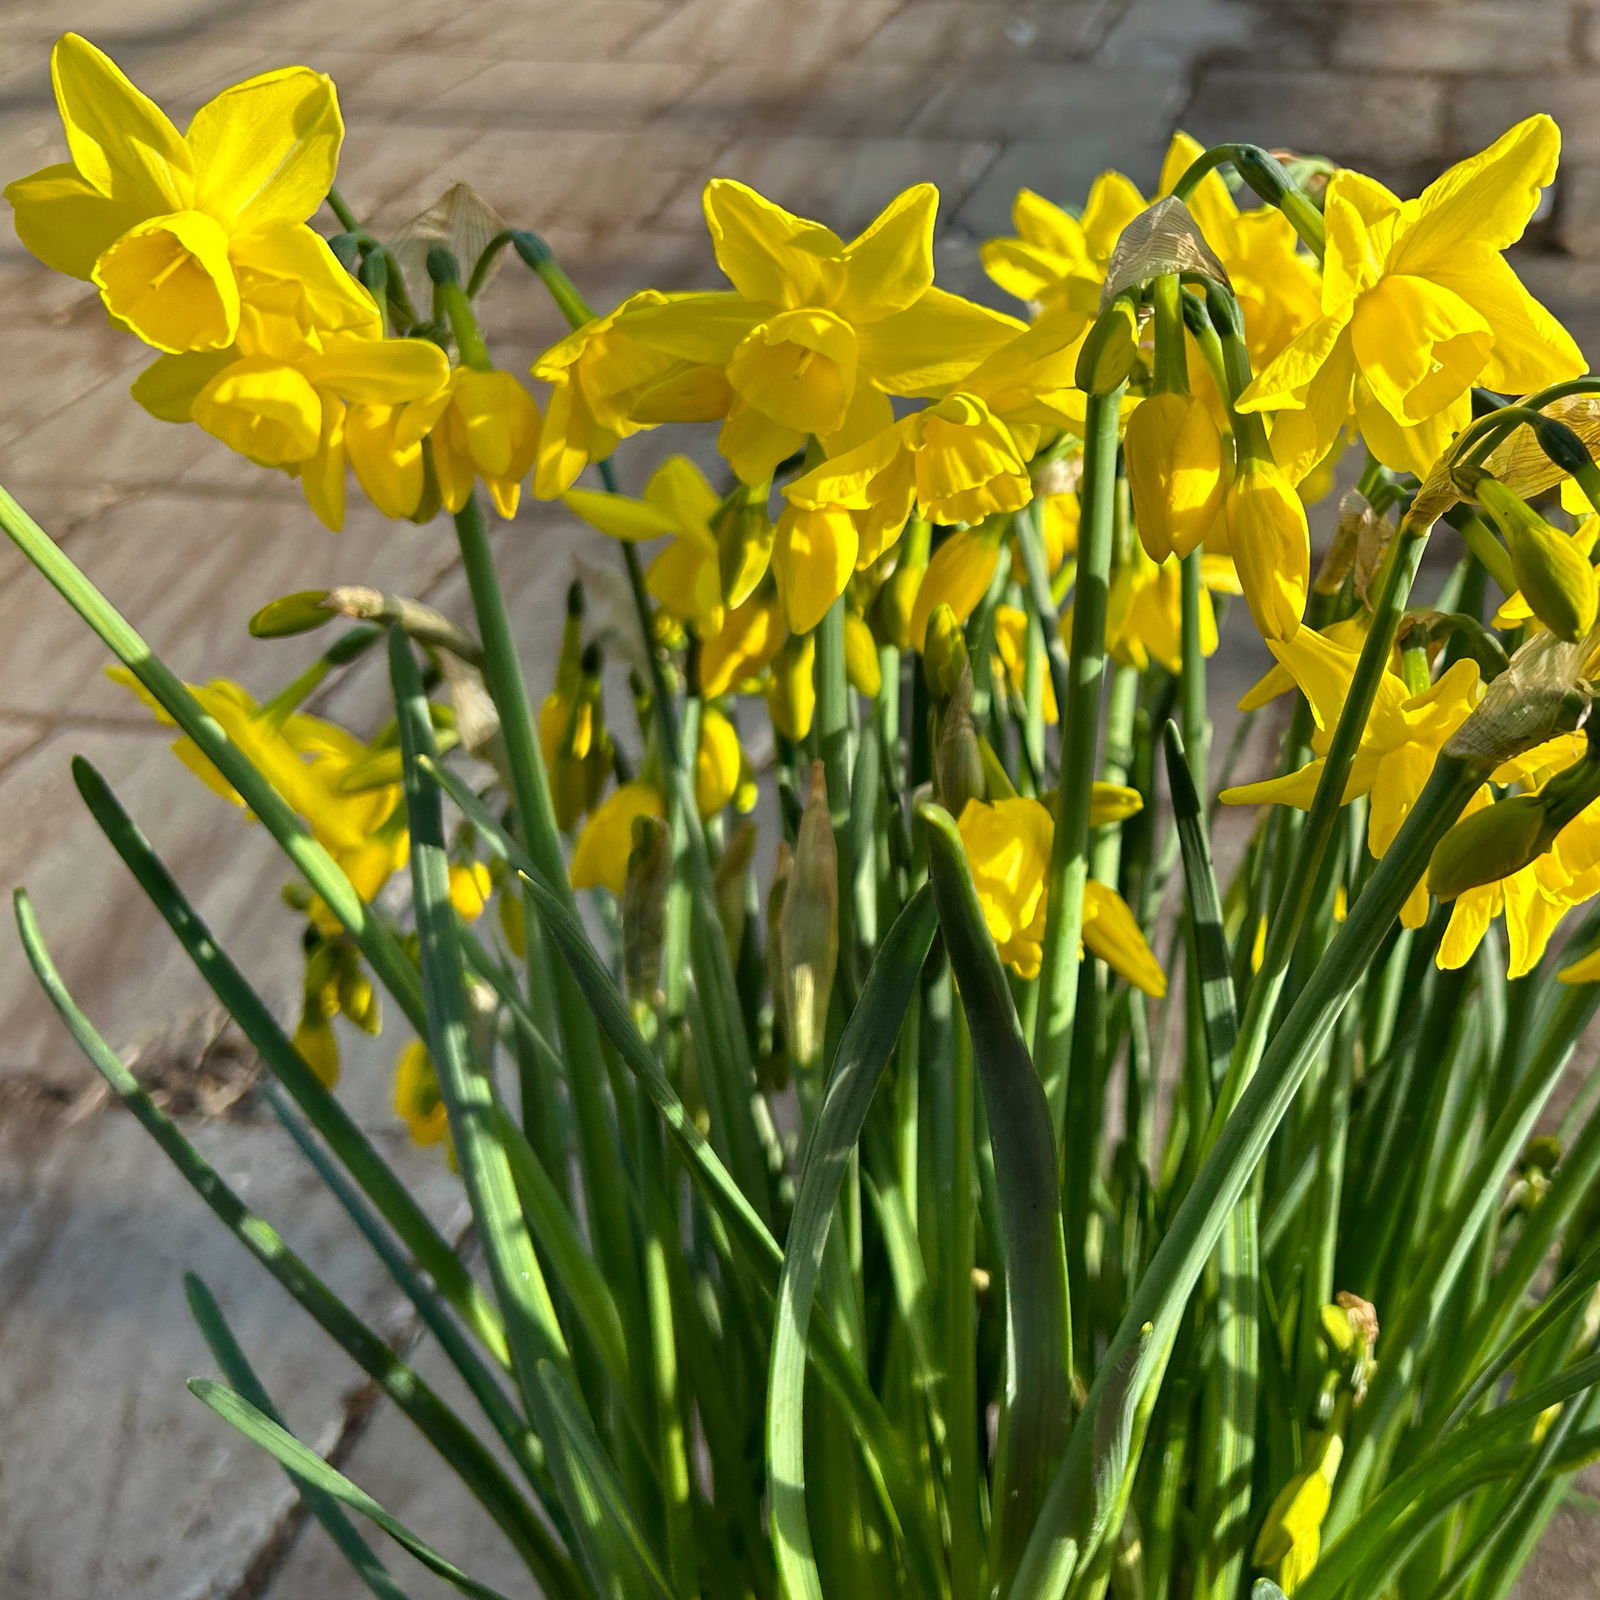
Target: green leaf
{"x":324,"y":1507}
{"x":449,"y":1435}
{"x":1036,"y":1415}
{"x":260,"y":1429}
{"x":863,"y":1054}
{"x":371,"y":1172}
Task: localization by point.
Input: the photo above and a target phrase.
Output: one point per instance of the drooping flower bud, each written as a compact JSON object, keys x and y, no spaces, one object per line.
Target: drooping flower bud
{"x":897,"y":599}
{"x":644,"y":909}
{"x":808,"y":928}
{"x":861,"y":657}
{"x":958,"y":765}
{"x":1488,"y":845}
{"x":1110,"y":348}
{"x":1265,"y":524}
{"x":791,"y":691}
{"x":944,"y":652}
{"x":1553,"y":574}
{"x":1174,"y":455}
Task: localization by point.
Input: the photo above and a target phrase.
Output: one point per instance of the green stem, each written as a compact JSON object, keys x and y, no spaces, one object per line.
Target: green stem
{"x":1080,"y":727}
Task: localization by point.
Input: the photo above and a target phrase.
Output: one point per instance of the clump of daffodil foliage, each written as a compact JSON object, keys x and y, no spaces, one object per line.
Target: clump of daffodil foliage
{"x":942,"y":1186}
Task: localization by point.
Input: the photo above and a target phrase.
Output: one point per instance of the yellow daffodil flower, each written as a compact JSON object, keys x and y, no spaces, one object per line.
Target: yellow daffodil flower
{"x":600,"y":857}
{"x":961,"y":459}
{"x":1144,"y":613}
{"x":1262,"y":526}
{"x":1399,"y":744}
{"x":1418,"y":305}
{"x":1011,"y":650}
{"x":179,"y":232}
{"x":305,"y":759}
{"x":313,"y":406}
{"x":599,"y":377}
{"x":1177,"y":468}
{"x":1008,"y":848}
{"x":744,"y":646}
{"x":817,"y":333}
{"x":487,"y":427}
{"x":1058,"y":260}
{"x":679,"y":505}
{"x":417,"y":1100}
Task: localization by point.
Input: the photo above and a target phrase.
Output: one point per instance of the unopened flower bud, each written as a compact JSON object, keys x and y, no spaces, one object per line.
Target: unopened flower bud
{"x":1110,"y":348}
{"x":958,"y":767}
{"x":791,"y":691}
{"x":644,"y":903}
{"x":897,"y":599}
{"x":319,"y":1049}
{"x":1174,"y":456}
{"x":358,"y":1000}
{"x":861,"y":657}
{"x":744,"y":545}
{"x":808,"y":929}
{"x":1553,"y":574}
{"x":1488,"y":845}
{"x":290,"y":614}
{"x":944,"y":652}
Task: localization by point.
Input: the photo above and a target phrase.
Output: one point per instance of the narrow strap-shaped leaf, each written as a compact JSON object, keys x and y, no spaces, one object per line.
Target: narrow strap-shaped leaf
{"x":571,"y":1265}
{"x":261,"y":1430}
{"x":255,"y":1019}
{"x":756,"y":1247}
{"x":323,"y":873}
{"x":533,"y":1330}
{"x":610,"y":1499}
{"x":1217,"y":999}
{"x":525,"y":1448}
{"x":1035,"y":1419}
{"x":324,"y":1507}
{"x":448,"y":1434}
{"x":863,"y":1053}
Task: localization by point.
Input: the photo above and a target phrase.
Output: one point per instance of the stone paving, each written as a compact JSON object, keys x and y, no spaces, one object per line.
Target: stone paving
{"x":595,"y":122}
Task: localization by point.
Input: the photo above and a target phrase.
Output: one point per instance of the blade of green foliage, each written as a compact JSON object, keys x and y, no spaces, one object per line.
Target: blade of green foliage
{"x":758,"y":1251}
{"x":321,"y":871}
{"x":1035,"y":1418}
{"x":303,"y":1463}
{"x":532,"y":1328}
{"x":355,"y":1151}
{"x":324,"y":1507}
{"x":454,"y":1440}
{"x":863,"y":1054}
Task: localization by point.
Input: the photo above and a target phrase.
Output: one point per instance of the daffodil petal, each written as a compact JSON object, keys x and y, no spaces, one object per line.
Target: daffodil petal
{"x":889,"y":265}
{"x":768,"y":253}
{"x":266,"y":150}
{"x":119,"y":139}
{"x":934,"y":343}
{"x":813,"y":556}
{"x":169,"y":279}
{"x":381,"y":371}
{"x":617,"y":515}
{"x":65,"y":221}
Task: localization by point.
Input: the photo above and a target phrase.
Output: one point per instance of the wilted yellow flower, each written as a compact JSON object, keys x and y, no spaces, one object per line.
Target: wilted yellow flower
{"x":417,"y":1100}
{"x":600,"y":857}
{"x":1418,"y":306}
{"x":817,"y":333}
{"x":179,"y":232}
{"x":1008,"y":848}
